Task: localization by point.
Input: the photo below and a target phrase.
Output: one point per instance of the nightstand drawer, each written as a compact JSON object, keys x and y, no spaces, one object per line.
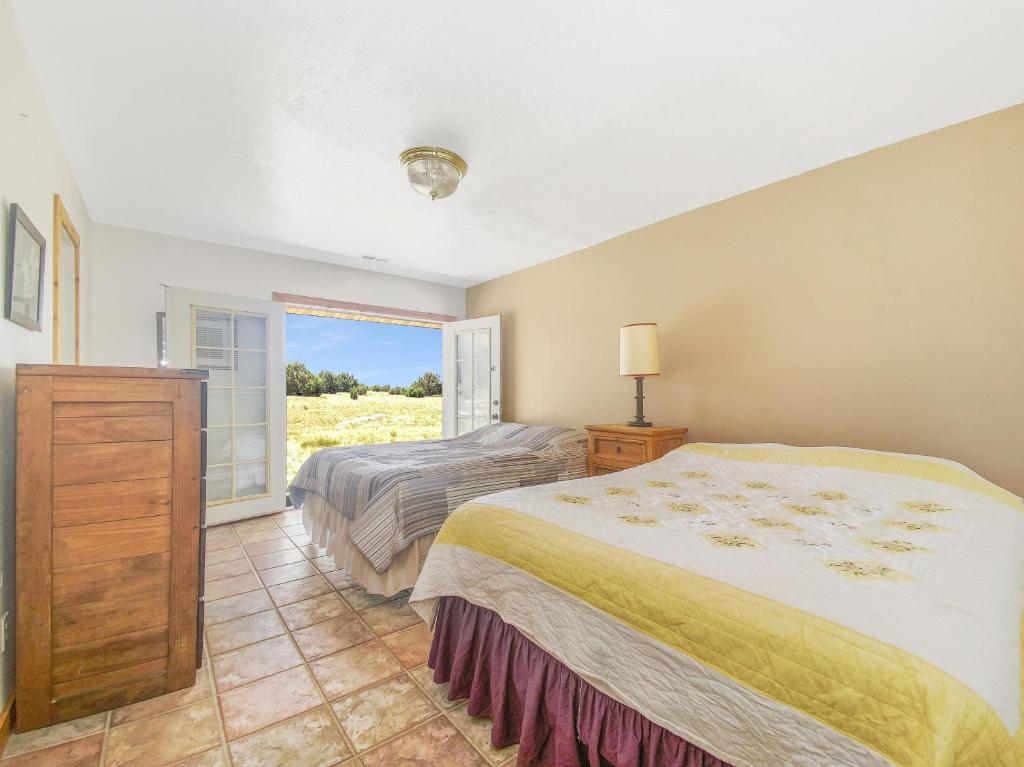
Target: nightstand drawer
{"x":613,"y":447}
{"x":597,"y":468}
{"x":617,"y":448}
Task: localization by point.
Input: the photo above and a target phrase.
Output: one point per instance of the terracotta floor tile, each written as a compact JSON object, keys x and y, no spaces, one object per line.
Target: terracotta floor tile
{"x":412,"y":646}
{"x":217,"y":544}
{"x":300,"y":539}
{"x":216,"y":572}
{"x":477,"y":730}
{"x":242,"y":631}
{"x":215,"y":758}
{"x":289,"y":518}
{"x":259,"y":536}
{"x":285,"y":573}
{"x":247,"y":664}
{"x":438,"y":693}
{"x":390,"y":617}
{"x":84,"y":752}
{"x":266,"y":701}
{"x":330,"y":636}
{"x":309,"y":740}
{"x":277,"y":558}
{"x":316,"y":610}
{"x":377,"y":713}
{"x":360,"y":599}
{"x":21,"y":742}
{"x":324,"y":564}
{"x":294,"y":529}
{"x":135,"y":711}
{"x":227,"y":554}
{"x":228,"y":587}
{"x":296,"y":591}
{"x":435,"y":743}
{"x":265,"y":547}
{"x":312,"y":551}
{"x":359,"y":666}
{"x":252,"y":525}
{"x":221,"y":535}
{"x":165,"y":738}
{"x":339,"y":579}
{"x":235,"y":607}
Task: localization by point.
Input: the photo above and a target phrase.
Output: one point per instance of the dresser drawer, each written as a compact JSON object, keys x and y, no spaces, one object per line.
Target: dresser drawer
{"x":617,"y":448}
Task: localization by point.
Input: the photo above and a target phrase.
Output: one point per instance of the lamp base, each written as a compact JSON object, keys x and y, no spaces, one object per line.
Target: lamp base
{"x":638,"y":419}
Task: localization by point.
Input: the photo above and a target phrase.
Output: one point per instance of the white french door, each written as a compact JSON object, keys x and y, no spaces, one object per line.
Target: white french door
{"x":240,"y":341}
{"x":472,"y":374}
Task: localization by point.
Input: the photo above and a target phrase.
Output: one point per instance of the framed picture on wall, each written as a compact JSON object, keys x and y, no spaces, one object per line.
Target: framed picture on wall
{"x":24,"y":267}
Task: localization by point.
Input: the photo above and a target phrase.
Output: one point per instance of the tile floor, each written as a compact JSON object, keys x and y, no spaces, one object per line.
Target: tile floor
{"x":302,"y":669}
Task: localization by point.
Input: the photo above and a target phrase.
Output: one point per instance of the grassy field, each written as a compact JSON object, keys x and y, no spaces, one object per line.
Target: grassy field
{"x":336,"y":419}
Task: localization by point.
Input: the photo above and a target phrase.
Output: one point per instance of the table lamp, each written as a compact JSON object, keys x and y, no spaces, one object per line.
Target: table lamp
{"x":638,"y":357}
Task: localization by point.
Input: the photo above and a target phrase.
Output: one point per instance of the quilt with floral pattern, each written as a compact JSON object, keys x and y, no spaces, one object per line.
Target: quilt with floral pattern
{"x":773,"y":605}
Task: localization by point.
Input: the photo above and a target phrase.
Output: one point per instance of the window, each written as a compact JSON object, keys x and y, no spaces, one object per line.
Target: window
{"x":232,"y":346}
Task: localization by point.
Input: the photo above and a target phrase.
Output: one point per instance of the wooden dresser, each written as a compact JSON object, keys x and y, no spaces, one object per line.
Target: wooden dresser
{"x":614,"y":447}
{"x":109,"y":527}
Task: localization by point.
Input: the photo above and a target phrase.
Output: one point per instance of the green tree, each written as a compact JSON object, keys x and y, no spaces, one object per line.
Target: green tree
{"x":353,"y":394}
{"x":346,"y":381}
{"x":314,"y":387}
{"x":430,"y":383}
{"x":299,"y":381}
{"x":329,"y":381}
{"x":417,"y":392}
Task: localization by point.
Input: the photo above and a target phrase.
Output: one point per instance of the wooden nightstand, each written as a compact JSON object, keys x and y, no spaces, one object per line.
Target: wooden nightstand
{"x":614,"y":447}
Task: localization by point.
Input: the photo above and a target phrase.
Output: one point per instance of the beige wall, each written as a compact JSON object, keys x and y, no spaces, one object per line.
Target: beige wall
{"x":877,"y":302}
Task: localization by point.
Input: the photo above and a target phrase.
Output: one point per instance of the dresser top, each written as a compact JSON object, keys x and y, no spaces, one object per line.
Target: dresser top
{"x":99,"y":371}
{"x":638,"y":431}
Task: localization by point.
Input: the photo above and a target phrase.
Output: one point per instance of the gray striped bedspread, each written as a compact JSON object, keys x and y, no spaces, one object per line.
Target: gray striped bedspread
{"x":394,"y":493}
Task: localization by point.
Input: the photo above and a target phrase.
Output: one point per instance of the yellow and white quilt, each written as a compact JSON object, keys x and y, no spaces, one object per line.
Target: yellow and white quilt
{"x":773,"y":605}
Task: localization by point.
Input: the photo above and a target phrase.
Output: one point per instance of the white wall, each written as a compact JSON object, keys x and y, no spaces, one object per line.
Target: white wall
{"x":32,"y":169}
{"x":130,"y":268}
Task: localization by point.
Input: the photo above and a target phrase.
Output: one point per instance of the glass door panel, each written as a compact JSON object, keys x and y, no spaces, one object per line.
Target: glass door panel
{"x":472,"y":361}
{"x":233,"y":347}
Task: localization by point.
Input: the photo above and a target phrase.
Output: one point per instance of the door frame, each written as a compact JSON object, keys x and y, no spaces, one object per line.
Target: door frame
{"x":449,"y":330}
{"x":179,"y":305}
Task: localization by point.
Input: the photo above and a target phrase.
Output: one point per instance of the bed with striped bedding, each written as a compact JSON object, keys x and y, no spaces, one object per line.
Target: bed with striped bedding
{"x":369,"y":504}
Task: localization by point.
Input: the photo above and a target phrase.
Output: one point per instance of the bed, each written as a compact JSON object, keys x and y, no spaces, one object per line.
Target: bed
{"x":739,"y":605}
{"x":376,"y":508}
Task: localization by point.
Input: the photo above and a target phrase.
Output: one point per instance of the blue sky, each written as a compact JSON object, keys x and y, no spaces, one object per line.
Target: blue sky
{"x":373,"y":352}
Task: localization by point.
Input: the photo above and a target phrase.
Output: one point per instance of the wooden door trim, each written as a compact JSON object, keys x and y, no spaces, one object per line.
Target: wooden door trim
{"x":62,"y":223}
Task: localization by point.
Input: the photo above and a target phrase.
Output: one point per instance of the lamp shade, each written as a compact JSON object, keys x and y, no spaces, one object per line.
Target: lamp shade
{"x":638,"y":350}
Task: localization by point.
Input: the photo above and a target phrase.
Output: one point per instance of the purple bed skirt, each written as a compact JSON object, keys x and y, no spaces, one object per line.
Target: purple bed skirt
{"x":557,"y":718}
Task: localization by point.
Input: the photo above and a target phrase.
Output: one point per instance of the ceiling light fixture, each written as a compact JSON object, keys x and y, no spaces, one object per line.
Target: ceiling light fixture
{"x":433,"y":172}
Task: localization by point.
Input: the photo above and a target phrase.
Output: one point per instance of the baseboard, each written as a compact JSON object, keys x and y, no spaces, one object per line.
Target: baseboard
{"x":5,"y":721}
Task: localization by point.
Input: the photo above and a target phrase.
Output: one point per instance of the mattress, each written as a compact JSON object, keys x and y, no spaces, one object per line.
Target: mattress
{"x":769,"y":604}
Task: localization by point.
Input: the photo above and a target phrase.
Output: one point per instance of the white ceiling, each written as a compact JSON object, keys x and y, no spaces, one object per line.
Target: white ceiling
{"x":277,"y":124}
